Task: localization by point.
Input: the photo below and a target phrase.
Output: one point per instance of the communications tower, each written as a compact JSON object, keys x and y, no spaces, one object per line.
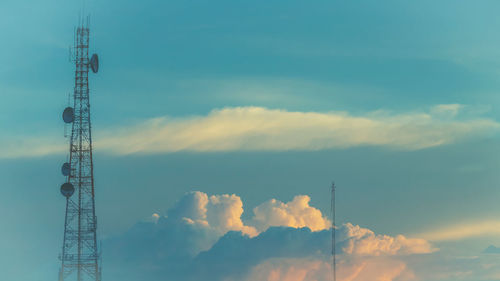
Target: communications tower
{"x":80,"y":254}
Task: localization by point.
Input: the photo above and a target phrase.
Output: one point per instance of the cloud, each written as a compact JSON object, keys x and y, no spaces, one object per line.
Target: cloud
{"x":450,"y":110}
{"x":447,"y":266}
{"x":31,"y":147}
{"x":204,"y":236}
{"x":296,"y":213}
{"x":362,"y":241}
{"x":193,"y":225}
{"x":224,"y":213}
{"x":291,"y":270}
{"x":262,"y":129}
{"x":379,"y":269}
{"x":258,"y":128}
{"x":218,"y":213}
{"x":285,"y":253}
{"x":313,"y":269}
{"x":309,"y":269}
{"x":492,"y":250}
{"x":463,"y":231}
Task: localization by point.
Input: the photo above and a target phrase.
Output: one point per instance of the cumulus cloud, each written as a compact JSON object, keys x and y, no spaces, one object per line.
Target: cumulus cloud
{"x":262,"y":129}
{"x":218,"y":213}
{"x":296,"y":213}
{"x":204,"y":235}
{"x":193,"y":225}
{"x":362,"y":241}
{"x":222,"y":213}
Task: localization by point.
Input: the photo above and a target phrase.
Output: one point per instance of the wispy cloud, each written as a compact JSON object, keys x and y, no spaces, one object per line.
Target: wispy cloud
{"x":463,"y":231}
{"x":258,"y":128}
{"x":263,"y":129}
{"x":30,"y":147}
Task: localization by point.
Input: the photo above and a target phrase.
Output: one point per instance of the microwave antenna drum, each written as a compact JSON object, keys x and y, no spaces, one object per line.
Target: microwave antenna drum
{"x":94,"y":63}
{"x":66,"y":169}
{"x":68,"y":115}
{"x":67,"y":189}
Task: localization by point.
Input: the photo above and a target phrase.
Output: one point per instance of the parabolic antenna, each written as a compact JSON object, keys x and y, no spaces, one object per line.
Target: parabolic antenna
{"x":67,"y":189}
{"x":94,"y":63}
{"x":68,"y":115}
{"x":66,"y":169}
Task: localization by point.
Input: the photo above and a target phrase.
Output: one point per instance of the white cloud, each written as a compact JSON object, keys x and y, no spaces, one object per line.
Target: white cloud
{"x":263,"y":129}
{"x":219,"y":213}
{"x":222,"y":213}
{"x":257,"y":128}
{"x":362,"y":241}
{"x":296,"y":213}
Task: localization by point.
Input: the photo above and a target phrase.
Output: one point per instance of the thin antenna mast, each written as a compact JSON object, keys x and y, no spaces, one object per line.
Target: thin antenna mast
{"x":334,"y":252}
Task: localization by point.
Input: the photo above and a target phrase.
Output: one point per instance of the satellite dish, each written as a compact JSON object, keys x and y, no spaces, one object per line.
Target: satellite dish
{"x":66,"y":169}
{"x":94,"y":63}
{"x":68,"y":115}
{"x":67,"y":189}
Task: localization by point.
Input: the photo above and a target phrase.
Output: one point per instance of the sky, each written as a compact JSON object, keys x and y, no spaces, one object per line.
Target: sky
{"x":219,"y":126}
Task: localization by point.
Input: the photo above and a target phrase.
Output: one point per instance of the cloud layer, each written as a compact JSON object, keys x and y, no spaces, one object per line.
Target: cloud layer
{"x":258,"y":128}
{"x":263,"y":129}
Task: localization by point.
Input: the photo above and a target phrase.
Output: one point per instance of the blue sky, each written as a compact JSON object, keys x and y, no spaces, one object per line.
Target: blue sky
{"x":395,"y":101}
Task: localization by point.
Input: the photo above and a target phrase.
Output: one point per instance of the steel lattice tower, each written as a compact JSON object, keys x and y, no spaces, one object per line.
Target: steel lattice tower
{"x":80,"y":254}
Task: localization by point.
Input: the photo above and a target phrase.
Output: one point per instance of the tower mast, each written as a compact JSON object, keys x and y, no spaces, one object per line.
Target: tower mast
{"x":334,"y":252}
{"x":80,"y":256}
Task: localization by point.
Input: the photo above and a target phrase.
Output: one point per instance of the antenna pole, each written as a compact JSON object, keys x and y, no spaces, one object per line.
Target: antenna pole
{"x":334,"y":252}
